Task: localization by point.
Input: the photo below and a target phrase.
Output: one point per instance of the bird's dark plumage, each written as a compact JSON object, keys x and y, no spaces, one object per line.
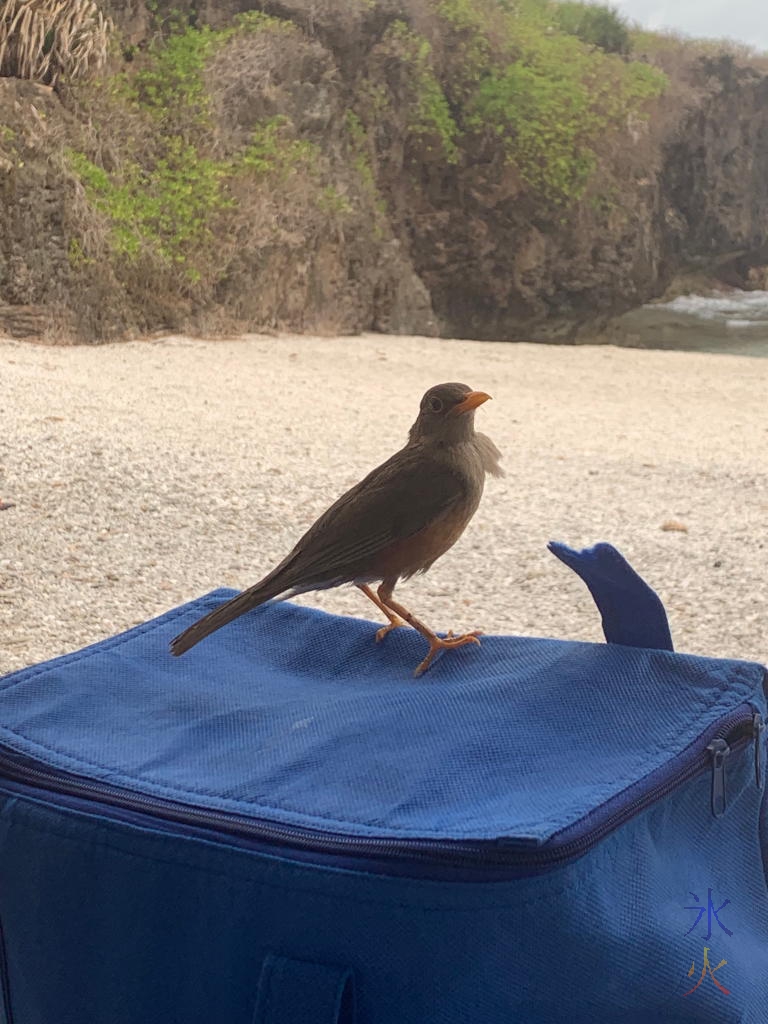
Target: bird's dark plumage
{"x":394,"y":523}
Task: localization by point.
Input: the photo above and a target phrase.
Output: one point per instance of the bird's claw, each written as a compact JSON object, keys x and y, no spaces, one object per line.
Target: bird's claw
{"x":394,"y":624}
{"x":447,"y":643}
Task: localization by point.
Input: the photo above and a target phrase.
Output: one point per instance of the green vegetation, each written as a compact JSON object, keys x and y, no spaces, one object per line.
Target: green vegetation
{"x":172,"y":85}
{"x":360,"y":146}
{"x":168,"y":208}
{"x":554,"y":106}
{"x":359,"y":139}
{"x":333,"y":202}
{"x":549,"y":80}
{"x":76,"y":255}
{"x":169,"y":186}
{"x":468,"y":28}
{"x":595,"y":25}
{"x":547,"y":86}
{"x":274,"y":150}
{"x":430,"y":116}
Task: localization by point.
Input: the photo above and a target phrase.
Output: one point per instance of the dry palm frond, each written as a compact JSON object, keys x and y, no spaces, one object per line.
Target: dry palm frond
{"x":45,"y":40}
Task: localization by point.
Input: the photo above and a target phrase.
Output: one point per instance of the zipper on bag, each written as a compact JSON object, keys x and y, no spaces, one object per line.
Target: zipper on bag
{"x":719,"y":750}
{"x":758,"y":727}
{"x":711,"y":751}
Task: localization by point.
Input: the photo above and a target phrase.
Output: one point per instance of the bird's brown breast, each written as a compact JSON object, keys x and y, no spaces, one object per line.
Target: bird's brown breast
{"x":416,"y":553}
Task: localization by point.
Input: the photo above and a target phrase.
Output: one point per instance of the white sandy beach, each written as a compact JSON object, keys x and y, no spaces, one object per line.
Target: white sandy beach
{"x":144,"y":474}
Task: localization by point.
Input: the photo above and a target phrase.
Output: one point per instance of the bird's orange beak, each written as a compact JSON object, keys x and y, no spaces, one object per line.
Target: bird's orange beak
{"x":473,"y":399}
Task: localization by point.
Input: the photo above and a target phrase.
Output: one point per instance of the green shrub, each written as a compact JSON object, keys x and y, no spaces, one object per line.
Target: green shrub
{"x":167,"y":208}
{"x":273,"y":149}
{"x":554,"y":101}
{"x":430,"y":115}
{"x":172,"y":85}
{"x":168,"y":186}
{"x":596,"y":25}
{"x":466,"y":26}
{"x":545,"y":81}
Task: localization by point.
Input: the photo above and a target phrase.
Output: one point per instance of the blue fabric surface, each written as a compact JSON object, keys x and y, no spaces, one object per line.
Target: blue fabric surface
{"x":298,"y":716}
{"x":632,"y":613}
{"x":117,"y":916}
{"x":304,"y":993}
{"x":110,"y":924}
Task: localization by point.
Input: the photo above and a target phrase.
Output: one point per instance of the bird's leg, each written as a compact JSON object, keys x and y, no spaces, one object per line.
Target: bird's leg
{"x":436,"y":643}
{"x":394,"y":618}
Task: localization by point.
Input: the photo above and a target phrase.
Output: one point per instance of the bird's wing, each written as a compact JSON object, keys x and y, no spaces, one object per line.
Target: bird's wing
{"x":395,"y":501}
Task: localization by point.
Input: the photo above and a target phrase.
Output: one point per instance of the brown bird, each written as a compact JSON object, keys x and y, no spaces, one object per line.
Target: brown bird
{"x":395,"y":523}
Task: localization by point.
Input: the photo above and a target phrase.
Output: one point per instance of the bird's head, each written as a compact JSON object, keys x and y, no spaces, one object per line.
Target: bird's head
{"x":447,"y":414}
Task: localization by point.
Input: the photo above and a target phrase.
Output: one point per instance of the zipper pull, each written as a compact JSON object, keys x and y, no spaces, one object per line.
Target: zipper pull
{"x":719,"y":750}
{"x":758,"y":726}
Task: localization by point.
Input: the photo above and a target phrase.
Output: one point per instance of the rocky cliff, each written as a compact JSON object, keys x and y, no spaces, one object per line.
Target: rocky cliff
{"x":342,"y":165}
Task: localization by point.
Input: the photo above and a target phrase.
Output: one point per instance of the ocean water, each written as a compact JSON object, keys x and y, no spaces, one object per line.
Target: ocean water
{"x":732,"y":321}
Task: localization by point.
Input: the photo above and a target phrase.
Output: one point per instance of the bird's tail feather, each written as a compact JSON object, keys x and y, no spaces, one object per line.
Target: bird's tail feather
{"x":251,"y":598}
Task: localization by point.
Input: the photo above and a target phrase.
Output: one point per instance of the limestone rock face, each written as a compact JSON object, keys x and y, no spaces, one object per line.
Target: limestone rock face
{"x":396,"y":238}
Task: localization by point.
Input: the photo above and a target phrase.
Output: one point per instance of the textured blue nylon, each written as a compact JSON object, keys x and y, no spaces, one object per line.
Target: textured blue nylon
{"x":299,"y":717}
{"x":5,"y":992}
{"x":304,"y":993}
{"x":111,"y":924}
{"x":632,"y":613}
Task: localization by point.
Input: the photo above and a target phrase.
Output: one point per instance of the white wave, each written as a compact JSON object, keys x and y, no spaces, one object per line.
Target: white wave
{"x":732,"y":309}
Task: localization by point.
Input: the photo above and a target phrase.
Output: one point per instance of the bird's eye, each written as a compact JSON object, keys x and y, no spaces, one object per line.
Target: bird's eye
{"x":436,"y":405}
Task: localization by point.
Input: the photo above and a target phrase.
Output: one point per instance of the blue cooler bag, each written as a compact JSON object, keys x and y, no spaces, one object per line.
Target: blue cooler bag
{"x":285,"y":827}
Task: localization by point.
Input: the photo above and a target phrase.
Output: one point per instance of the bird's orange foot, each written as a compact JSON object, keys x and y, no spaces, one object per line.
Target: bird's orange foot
{"x":394,"y":623}
{"x":437,"y":644}
{"x":475,"y":632}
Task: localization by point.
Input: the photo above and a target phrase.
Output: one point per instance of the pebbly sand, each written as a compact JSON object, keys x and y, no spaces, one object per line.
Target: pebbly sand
{"x":144,"y":474}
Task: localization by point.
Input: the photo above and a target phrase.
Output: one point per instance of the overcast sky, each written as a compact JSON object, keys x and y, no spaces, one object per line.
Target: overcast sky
{"x":745,"y":20}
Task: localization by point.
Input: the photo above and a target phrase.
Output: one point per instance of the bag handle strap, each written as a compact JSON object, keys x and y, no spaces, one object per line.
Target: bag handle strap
{"x":632,"y":612}
{"x":303,"y":992}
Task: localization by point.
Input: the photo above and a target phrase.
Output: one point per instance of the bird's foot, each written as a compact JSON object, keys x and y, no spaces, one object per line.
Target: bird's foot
{"x":475,"y":632}
{"x":394,"y":623}
{"x":447,"y":643}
